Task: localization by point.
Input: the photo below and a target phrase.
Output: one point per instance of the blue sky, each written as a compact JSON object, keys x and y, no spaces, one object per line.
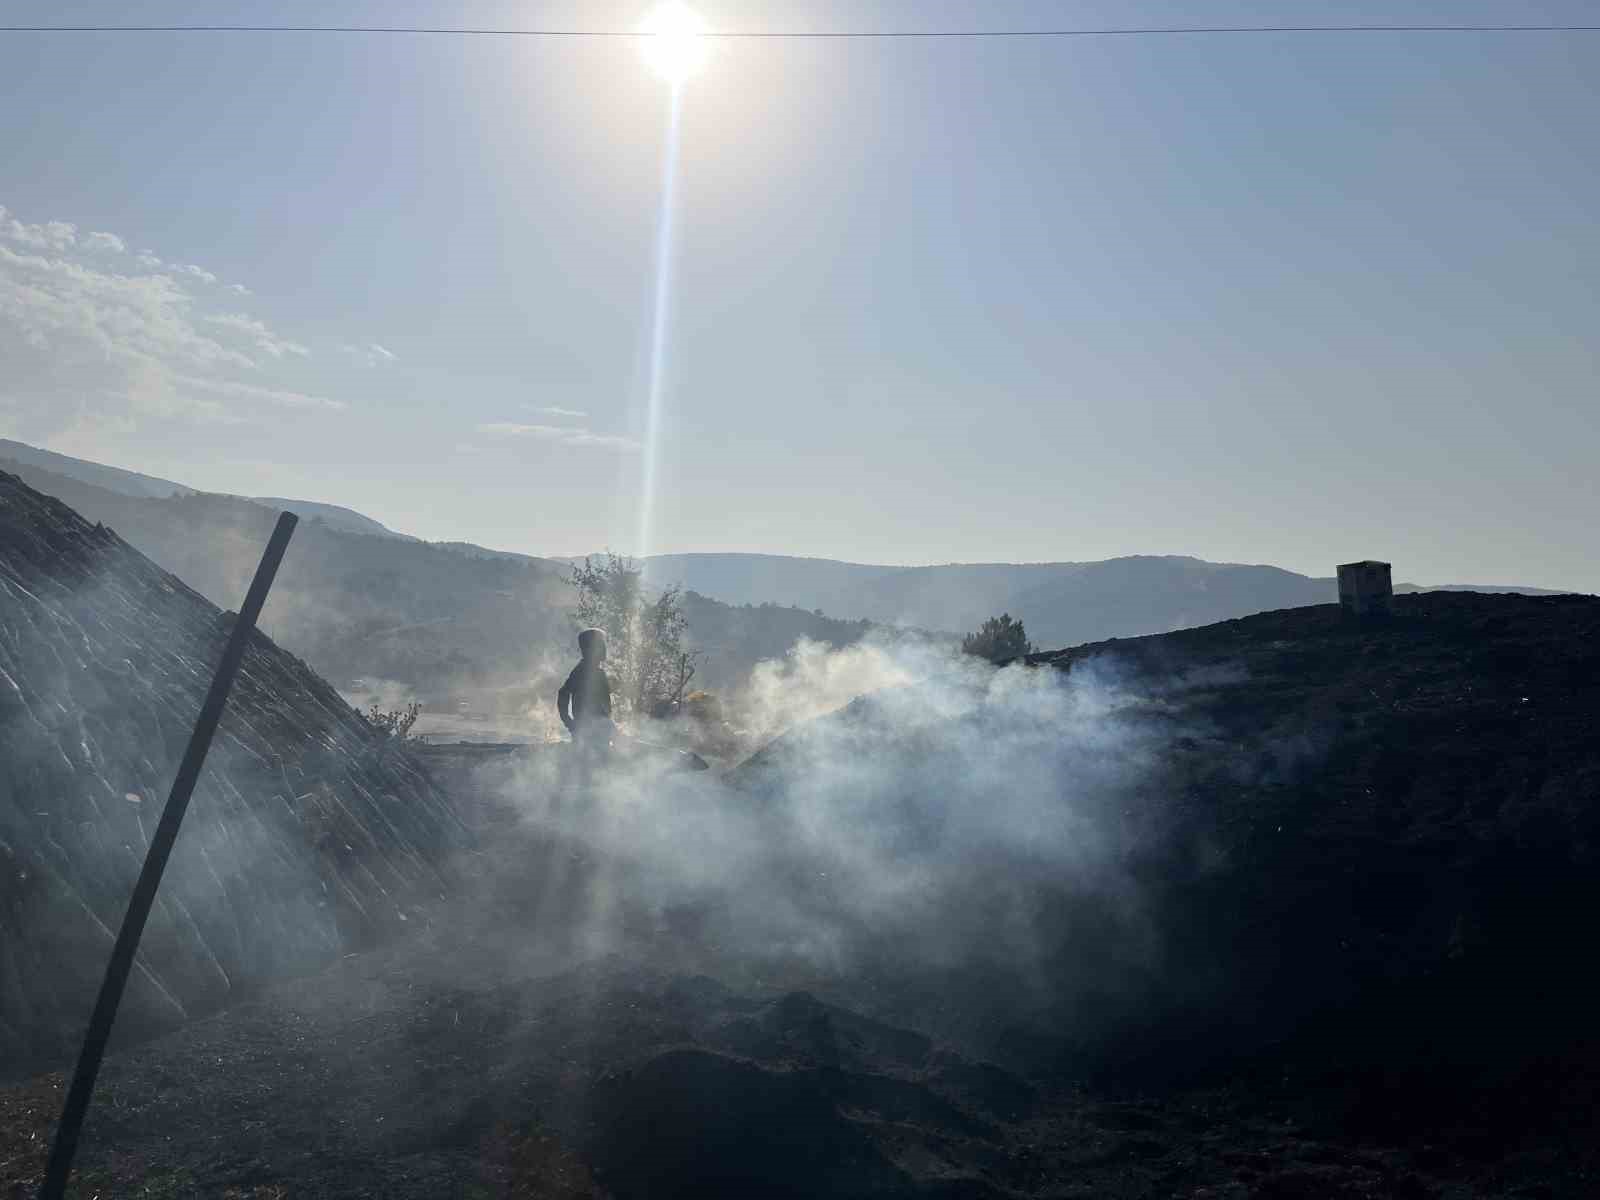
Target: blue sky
{"x":1275,"y":298}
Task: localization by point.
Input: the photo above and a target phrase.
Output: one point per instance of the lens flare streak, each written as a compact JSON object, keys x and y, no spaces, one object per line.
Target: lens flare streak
{"x":658,"y":328}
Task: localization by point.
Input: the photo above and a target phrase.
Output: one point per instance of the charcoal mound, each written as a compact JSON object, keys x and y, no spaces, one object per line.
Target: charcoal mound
{"x":304,"y":841}
{"x":799,"y":1027}
{"x":1293,"y":845}
{"x":692,"y":1122}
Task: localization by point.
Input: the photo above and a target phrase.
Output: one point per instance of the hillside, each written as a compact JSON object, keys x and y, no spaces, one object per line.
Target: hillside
{"x":735,"y":637}
{"x":1063,"y":603}
{"x":301,"y":844}
{"x":434,"y":620}
{"x":133,"y":483}
{"x":353,"y":605}
{"x":112,"y":479}
{"x":739,"y":618}
{"x":1362,"y":849}
{"x":1284,"y":906}
{"x":769,"y":578}
{"x":472,"y":629}
{"x":334,"y":515}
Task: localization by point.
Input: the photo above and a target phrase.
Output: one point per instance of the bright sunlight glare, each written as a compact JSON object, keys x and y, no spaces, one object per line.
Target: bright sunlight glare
{"x":673,"y":44}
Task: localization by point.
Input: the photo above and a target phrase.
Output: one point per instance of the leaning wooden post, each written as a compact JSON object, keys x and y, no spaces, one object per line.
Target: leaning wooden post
{"x":155,"y":862}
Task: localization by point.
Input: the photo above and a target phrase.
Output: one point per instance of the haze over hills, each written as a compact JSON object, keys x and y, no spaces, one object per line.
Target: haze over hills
{"x":335,"y":515}
{"x":431,"y":618}
{"x":352,"y":604}
{"x":135,"y":483}
{"x":1062,"y":603}
{"x":114,"y":479}
{"x":384,"y":603}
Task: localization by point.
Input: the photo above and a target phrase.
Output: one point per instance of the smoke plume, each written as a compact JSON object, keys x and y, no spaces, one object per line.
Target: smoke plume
{"x":929,"y":838}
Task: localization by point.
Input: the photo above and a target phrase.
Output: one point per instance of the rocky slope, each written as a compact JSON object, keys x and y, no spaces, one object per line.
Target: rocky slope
{"x":301,"y":843}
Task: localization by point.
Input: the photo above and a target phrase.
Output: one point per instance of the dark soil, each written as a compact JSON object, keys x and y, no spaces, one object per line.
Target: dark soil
{"x":378,"y":1079}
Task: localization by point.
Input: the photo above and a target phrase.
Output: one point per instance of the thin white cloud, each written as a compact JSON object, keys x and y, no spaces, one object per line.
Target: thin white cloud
{"x":369,"y":354}
{"x":565,"y":435}
{"x":552,"y":410}
{"x":258,"y":333}
{"x":50,"y":235}
{"x":55,"y":299}
{"x":249,"y":391}
{"x":152,"y":261}
{"x":96,"y":345}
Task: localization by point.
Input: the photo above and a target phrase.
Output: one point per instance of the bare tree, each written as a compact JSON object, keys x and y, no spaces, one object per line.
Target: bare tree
{"x":645,"y":650}
{"x":392,"y":726}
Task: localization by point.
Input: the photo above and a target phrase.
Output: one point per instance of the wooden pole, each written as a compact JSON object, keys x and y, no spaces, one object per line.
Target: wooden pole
{"x":65,"y":1146}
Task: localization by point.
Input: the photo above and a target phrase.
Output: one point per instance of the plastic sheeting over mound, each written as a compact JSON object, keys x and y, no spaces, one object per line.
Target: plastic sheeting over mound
{"x":302,"y":842}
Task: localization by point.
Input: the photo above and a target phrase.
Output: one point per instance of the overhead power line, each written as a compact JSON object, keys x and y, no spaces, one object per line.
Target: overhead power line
{"x":799,"y":35}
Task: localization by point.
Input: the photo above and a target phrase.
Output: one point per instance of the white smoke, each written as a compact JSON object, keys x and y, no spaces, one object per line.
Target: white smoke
{"x":944,"y":817}
{"x":814,"y":679}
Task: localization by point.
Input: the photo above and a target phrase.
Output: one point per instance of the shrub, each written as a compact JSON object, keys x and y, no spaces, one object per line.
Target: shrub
{"x":1000,"y":639}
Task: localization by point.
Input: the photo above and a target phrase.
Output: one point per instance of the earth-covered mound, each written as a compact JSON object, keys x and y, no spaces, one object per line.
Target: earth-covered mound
{"x":302,"y":842}
{"x":1359,"y":850}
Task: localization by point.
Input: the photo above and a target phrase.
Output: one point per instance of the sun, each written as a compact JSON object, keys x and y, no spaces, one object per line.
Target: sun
{"x":673,"y":41}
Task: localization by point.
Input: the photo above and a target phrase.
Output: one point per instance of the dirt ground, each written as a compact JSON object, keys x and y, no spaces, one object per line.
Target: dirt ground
{"x":494,"y":1053}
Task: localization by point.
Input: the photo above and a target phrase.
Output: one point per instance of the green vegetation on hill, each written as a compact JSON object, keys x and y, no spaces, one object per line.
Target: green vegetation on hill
{"x":999,"y":640}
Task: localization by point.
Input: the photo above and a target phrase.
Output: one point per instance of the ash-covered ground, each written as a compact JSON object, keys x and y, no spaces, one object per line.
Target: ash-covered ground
{"x":1280,"y":907}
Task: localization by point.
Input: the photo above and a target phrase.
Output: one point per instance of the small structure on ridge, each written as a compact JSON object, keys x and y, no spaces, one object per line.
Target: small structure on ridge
{"x":1366,"y":589}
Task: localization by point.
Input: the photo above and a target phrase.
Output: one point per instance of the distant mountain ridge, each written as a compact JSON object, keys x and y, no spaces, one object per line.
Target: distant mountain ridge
{"x":430,"y":617}
{"x":1063,"y":603}
{"x":336,"y":515}
{"x":352,"y":604}
{"x":134,"y":483}
{"x":113,"y":479}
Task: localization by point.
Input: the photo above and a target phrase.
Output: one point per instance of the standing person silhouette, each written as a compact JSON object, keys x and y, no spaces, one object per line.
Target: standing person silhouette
{"x":584,"y":701}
